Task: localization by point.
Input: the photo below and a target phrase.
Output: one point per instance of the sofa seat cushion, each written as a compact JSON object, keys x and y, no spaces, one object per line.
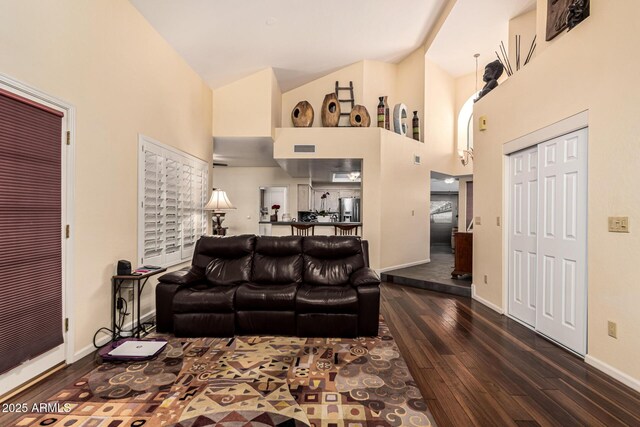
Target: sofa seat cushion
{"x":270,"y":297}
{"x":326,"y":299}
{"x":205,"y":299}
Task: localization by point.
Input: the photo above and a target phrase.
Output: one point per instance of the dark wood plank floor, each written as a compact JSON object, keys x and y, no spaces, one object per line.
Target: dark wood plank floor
{"x":473,"y":366}
{"x":476,"y":367}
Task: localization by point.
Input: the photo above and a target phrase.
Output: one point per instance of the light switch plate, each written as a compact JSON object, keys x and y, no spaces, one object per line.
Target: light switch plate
{"x":482,"y":123}
{"x":618,"y":224}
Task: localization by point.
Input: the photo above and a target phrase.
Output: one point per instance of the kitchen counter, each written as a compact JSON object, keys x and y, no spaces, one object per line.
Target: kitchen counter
{"x":318,"y":224}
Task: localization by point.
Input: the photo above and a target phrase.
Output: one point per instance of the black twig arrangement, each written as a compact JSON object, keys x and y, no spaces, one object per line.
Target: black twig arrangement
{"x":504,"y":59}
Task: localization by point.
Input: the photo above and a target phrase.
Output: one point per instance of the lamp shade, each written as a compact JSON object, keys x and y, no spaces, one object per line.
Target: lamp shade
{"x":218,"y":201}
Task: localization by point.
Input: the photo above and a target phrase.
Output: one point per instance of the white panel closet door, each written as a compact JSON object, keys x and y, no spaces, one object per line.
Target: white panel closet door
{"x":523,"y":195}
{"x":562,"y":242}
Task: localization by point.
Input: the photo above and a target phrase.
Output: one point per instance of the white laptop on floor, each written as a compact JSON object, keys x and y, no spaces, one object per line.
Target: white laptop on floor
{"x":138,"y":348}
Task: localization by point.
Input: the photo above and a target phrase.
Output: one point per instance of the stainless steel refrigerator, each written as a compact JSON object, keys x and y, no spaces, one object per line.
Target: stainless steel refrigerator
{"x":349,"y":209}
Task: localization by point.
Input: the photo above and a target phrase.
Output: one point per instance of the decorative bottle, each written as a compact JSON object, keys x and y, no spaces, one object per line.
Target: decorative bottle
{"x":387,"y":125}
{"x":381,"y":108}
{"x":416,"y":126}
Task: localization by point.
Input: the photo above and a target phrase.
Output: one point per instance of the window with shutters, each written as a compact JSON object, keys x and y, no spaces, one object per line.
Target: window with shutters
{"x":172,"y":192}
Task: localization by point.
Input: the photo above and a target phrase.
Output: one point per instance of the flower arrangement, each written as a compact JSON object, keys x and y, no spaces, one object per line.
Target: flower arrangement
{"x":274,"y":217}
{"x":323,"y":200}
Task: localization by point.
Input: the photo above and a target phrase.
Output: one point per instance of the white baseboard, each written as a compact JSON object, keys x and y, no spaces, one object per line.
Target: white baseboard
{"x":615,"y":373}
{"x":483,"y":301}
{"x":397,"y":267}
{"x":106,"y":338}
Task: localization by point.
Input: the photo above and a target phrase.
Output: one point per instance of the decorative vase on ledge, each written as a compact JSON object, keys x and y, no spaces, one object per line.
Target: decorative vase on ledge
{"x":274,"y":217}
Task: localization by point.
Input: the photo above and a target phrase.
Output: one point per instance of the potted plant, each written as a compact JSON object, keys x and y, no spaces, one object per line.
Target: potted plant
{"x":274,"y":217}
{"x":323,"y":214}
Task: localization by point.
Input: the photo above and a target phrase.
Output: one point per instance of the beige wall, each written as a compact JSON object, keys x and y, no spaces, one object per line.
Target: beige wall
{"x":242,"y":187}
{"x":104,"y":58}
{"x":403,"y":201}
{"x":585,"y":69}
{"x":410,"y":84}
{"x":462,"y":202}
{"x":465,"y":88}
{"x":440,"y":121}
{"x":380,"y":79}
{"x":524,"y":26}
{"x":248,"y":107}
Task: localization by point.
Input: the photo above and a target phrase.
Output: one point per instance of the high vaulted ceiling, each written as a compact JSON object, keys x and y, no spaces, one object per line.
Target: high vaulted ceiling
{"x":474,"y":26}
{"x":301,"y":39}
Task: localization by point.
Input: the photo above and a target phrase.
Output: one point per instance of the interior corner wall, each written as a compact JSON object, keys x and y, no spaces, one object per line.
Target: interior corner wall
{"x":244,"y":108}
{"x":439,"y":121}
{"x":581,"y":70}
{"x":123,"y":78}
{"x":276,"y":105}
{"x":410,"y":83}
{"x":403,"y":202}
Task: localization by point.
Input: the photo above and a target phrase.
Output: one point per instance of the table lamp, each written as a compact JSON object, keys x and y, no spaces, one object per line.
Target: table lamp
{"x":218,"y":203}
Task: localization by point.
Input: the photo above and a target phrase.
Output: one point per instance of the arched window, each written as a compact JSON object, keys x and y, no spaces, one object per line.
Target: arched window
{"x":465,"y":126}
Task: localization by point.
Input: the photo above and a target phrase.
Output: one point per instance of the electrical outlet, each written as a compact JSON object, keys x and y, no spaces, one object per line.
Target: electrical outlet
{"x":413,"y":213}
{"x":612,"y":329}
{"x":618,"y":224}
{"x":498,"y":221}
{"x":486,"y":279}
{"x":130,"y":295}
{"x":478,"y":221}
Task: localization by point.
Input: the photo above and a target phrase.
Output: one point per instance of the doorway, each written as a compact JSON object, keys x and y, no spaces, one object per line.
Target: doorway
{"x":36,"y":140}
{"x":547,"y":238}
{"x":443,"y":212}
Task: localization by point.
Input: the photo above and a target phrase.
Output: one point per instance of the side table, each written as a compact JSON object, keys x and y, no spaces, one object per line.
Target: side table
{"x":135,"y":283}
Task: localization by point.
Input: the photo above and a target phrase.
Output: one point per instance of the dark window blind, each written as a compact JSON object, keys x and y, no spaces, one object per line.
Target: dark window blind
{"x":30,"y":230}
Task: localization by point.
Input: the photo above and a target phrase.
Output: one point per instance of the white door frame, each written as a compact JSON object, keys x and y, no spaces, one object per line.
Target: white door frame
{"x":18,"y":376}
{"x":555,"y":130}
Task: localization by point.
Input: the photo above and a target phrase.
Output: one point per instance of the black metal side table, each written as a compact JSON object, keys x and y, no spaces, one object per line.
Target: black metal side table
{"x":135,"y":283}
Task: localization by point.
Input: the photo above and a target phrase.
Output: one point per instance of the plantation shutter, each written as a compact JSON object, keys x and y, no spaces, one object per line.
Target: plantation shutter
{"x":30,"y":230}
{"x":201,"y":197}
{"x":188,"y":211}
{"x":173,"y":200}
{"x":173,"y":186}
{"x":153,"y":208}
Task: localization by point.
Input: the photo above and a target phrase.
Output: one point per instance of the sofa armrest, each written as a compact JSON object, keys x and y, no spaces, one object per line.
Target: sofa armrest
{"x":185,"y":276}
{"x":364,"y":276}
{"x":168,"y":285}
{"x":368,"y":310}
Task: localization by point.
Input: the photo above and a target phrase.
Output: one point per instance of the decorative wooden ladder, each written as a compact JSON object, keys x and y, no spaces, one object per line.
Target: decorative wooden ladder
{"x":350,"y":100}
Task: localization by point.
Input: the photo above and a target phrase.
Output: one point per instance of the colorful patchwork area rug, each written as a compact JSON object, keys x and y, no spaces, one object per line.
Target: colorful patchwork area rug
{"x":248,"y":381}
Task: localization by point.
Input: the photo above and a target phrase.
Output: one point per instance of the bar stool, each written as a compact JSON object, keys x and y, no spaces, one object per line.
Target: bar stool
{"x":302,"y":229}
{"x":346,"y":230}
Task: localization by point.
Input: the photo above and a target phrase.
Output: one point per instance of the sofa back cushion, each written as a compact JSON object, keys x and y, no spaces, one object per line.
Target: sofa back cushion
{"x":277,"y":260}
{"x":330,"y":260}
{"x":225,"y":260}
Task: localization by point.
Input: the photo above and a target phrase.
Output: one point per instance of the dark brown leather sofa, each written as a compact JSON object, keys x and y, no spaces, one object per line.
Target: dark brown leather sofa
{"x":257,"y":285}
